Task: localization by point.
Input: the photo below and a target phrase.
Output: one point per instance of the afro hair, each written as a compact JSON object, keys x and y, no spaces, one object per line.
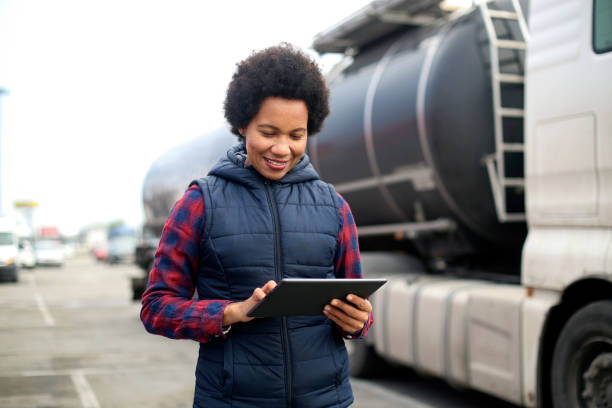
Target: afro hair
{"x":282,"y":71}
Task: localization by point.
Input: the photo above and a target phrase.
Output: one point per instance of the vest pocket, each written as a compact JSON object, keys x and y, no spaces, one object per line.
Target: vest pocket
{"x":209,"y":372}
{"x":316,"y":361}
{"x":228,"y":368}
{"x":342,"y":363}
{"x":259,"y":370}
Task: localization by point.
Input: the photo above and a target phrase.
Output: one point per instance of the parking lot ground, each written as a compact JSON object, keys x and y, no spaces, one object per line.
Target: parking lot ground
{"x":71,"y":336}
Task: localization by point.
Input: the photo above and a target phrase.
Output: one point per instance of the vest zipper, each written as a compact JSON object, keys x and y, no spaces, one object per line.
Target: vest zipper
{"x":279,"y":276}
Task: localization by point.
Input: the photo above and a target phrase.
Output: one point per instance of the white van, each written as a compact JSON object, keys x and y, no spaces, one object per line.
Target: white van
{"x":8,"y":250}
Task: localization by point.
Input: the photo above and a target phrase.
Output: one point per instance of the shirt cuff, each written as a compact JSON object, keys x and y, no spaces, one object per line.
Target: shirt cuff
{"x":359,"y":334}
{"x":212,"y":320}
{"x":223,"y":330}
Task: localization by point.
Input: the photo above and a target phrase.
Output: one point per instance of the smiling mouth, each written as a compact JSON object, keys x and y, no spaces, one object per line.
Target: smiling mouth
{"x":276,"y":164}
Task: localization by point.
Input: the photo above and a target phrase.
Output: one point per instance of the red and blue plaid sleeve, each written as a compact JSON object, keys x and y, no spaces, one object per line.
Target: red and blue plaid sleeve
{"x":167,"y":305}
{"x":348,"y":259}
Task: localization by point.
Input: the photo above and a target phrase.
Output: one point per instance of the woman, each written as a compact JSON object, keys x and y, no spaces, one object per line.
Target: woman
{"x":260,"y":215}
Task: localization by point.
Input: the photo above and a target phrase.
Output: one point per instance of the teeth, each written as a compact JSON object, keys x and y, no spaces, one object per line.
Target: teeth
{"x":276,"y":163}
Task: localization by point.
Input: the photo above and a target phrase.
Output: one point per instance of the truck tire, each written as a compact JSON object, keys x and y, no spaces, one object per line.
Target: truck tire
{"x":364,"y":362}
{"x":582,"y":360}
{"x":139,"y":285}
{"x":137,"y":290}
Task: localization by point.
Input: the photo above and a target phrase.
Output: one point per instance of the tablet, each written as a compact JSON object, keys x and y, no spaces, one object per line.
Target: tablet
{"x":307,"y":297}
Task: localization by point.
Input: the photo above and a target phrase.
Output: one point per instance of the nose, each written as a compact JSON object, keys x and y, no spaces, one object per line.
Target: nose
{"x":281,"y":148}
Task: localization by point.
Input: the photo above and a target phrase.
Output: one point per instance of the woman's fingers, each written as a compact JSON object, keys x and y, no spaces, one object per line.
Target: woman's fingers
{"x":267,"y":288}
{"x":355,"y":313}
{"x":237,"y":312}
{"x":258,"y":294}
{"x":360,"y":303}
{"x":350,"y":316}
{"x":346,"y":322}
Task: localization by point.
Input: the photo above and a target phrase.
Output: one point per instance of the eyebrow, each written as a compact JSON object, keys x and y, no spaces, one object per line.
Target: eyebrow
{"x":276,"y":128}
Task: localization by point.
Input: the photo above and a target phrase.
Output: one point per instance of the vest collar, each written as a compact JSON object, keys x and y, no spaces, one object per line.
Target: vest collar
{"x":232,"y":167}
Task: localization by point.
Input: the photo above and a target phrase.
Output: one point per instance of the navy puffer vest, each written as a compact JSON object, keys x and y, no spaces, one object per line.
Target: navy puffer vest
{"x":259,"y":230}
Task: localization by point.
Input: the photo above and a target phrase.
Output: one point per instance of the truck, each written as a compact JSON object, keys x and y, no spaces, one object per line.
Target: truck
{"x":474,"y":146}
{"x":165,"y":182}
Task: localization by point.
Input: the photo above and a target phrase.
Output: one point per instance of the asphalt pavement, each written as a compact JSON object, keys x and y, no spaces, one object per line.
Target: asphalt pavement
{"x":71,"y":336}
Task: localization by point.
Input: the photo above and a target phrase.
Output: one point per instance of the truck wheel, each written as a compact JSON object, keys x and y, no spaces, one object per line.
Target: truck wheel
{"x":137,"y":291}
{"x":582,"y":360}
{"x":139,"y":285}
{"x":363,"y":359}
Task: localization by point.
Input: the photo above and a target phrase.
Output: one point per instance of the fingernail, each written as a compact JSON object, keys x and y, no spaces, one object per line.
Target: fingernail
{"x":349,"y":297}
{"x":326,"y":309}
{"x":334,"y":302}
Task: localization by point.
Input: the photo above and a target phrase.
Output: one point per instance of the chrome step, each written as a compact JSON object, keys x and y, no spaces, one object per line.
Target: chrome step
{"x":513,"y":147}
{"x":511,"y":44}
{"x":511,"y":78}
{"x":507,"y":15}
{"x":512,"y":112}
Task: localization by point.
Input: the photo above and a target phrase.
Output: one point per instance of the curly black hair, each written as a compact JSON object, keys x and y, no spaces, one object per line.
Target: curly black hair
{"x":283,"y":71}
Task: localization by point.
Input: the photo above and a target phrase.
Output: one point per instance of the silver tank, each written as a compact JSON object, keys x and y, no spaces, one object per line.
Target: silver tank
{"x":410,"y":125}
{"x":169,"y":175}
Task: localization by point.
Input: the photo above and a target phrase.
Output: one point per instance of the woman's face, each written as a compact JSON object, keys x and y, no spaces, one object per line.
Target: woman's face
{"x":276,"y":137}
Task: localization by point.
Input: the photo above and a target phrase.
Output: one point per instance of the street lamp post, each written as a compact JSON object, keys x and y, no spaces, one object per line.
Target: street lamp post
{"x":2,"y":92}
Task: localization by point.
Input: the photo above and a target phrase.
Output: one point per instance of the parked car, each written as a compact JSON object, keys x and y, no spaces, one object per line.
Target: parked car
{"x":8,"y":250}
{"x":121,"y":249}
{"x":100,"y":253}
{"x":49,"y":252}
{"x":25,"y":255}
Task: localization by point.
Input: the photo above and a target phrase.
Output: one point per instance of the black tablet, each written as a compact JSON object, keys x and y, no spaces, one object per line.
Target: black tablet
{"x":307,"y":297}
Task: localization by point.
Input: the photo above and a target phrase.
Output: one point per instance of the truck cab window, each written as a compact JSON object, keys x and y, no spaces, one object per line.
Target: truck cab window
{"x":602,"y":26}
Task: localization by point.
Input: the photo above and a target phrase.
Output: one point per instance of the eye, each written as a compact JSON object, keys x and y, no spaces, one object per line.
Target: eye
{"x":265,"y":133}
{"x":297,"y":136}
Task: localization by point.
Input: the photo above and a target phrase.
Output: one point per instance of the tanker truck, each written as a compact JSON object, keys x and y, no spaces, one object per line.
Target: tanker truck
{"x":475,"y":149}
{"x":165,"y":182}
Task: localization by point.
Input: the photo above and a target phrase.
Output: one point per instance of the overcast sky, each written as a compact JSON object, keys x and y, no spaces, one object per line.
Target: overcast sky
{"x":99,"y":89}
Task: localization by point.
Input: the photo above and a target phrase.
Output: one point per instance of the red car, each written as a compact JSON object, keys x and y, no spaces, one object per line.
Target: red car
{"x":100,"y":253}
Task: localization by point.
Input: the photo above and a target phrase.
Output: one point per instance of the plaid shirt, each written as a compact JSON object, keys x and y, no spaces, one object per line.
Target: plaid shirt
{"x":167,"y":305}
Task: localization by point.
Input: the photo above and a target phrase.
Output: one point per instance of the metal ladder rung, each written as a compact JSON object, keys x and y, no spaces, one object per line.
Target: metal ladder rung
{"x":513,"y":147}
{"x":514,"y":217}
{"x":508,"y":15}
{"x":516,"y":45}
{"x":512,"y":78}
{"x":513,"y":182}
{"x":511,"y":112}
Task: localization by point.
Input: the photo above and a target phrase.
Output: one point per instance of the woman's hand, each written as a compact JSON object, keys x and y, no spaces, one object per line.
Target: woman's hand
{"x":350,"y":318}
{"x":237,"y":311}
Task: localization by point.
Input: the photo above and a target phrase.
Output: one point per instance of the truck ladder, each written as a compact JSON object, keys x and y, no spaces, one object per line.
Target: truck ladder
{"x":505,"y":187}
